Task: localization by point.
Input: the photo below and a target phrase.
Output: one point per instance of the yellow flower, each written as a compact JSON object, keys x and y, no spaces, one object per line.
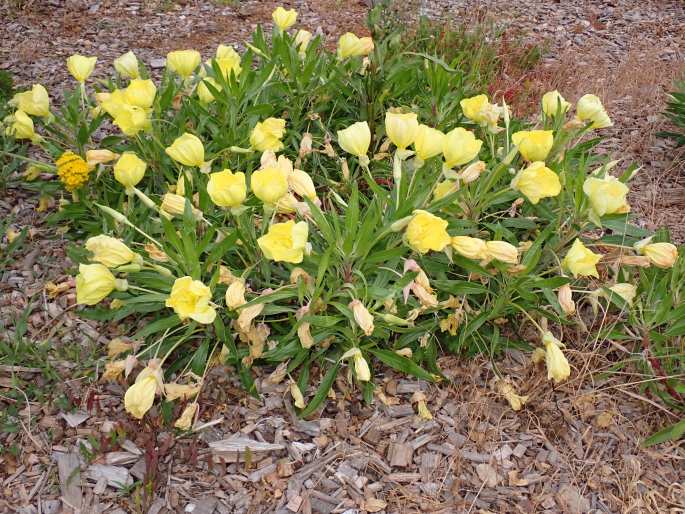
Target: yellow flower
{"x":350,"y":45}
{"x":552,"y":101}
{"x":606,"y":195}
{"x":203,"y":92}
{"x":558,"y":368}
{"x":126,"y":65}
{"x":94,"y":282}
{"x":427,"y":232}
{"x":131,"y":119}
{"x":269,"y":184}
{"x":516,"y":402}
{"x":470,"y":247}
{"x":662,"y":255}
{"x":72,"y":170}
{"x":565,"y":297}
{"x":100,"y":156}
{"x":20,"y":125}
{"x":362,"y":316}
{"x":444,"y":188}
{"x":185,"y":421}
{"x":81,"y":67}
{"x":302,"y":184}
{"x":141,"y":93}
{"x":355,"y":140}
{"x":460,"y":146}
{"x":190,"y":299}
{"x":110,"y":251}
{"x":235,"y":295}
{"x":536,"y":182}
{"x":187,"y":150}
{"x":228,"y":61}
{"x":267,"y":135}
{"x":534,"y":145}
{"x":479,"y":109}
{"x":361,"y":368}
{"x":401,"y":128}
{"x":129,"y":170}
{"x":625,"y":291}
{"x":183,"y":62}
{"x":580,"y":261}
{"x":227,"y":189}
{"x":502,"y":251}
{"x":428,"y":142}
{"x":285,"y":242}
{"x":302,"y":39}
{"x":590,"y":108}
{"x":284,"y":19}
{"x":35,"y":102}
{"x":140,"y":396}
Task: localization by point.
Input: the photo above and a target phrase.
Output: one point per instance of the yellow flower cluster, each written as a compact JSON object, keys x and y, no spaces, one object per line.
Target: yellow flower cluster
{"x":72,"y":170}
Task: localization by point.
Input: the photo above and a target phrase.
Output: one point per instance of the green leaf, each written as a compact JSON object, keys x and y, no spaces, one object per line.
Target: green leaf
{"x":322,"y":391}
{"x":670,"y":433}
{"x":402,"y":364}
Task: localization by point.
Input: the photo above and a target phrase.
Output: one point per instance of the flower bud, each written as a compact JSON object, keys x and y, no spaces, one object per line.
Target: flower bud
{"x":284,"y":19}
{"x":129,"y":169}
{"x":302,"y":184}
{"x":536,"y":182}
{"x":95,"y":282}
{"x":126,"y":65}
{"x":553,"y":102}
{"x":187,"y":150}
{"x":428,"y":142}
{"x":355,"y":140}
{"x":580,"y":261}
{"x":565,"y":297}
{"x":401,"y":128}
{"x":362,"y":316}
{"x":590,"y":108}
{"x":662,"y":255}
{"x":470,"y":247}
{"x":110,"y":251}
{"x":472,"y":172}
{"x":81,"y":67}
{"x":502,"y":251}
{"x":534,"y":145}
{"x":558,"y":368}
{"x":460,"y":146}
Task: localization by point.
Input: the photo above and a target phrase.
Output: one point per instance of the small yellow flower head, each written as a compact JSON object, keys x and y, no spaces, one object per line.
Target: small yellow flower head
{"x":580,"y":261}
{"x":269,"y":184}
{"x":129,"y":170}
{"x":81,"y":67}
{"x":235,"y":295}
{"x":662,"y":255}
{"x":302,"y":184}
{"x":502,"y":251}
{"x":94,"y":282}
{"x":285,"y":242}
{"x":126,"y":65}
{"x":183,"y":62}
{"x":35,"y":102}
{"x":100,"y":156}
{"x":401,"y":128}
{"x":534,"y":145}
{"x":356,"y":139}
{"x":190,"y":299}
{"x":185,"y":421}
{"x":302,"y":39}
{"x":479,"y":109}
{"x":470,"y":247}
{"x":626,"y":291}
{"x":460,"y":146}
{"x":227,"y":189}
{"x":428,"y":142}
{"x":141,"y":93}
{"x":20,"y":125}
{"x":552,"y":101}
{"x":606,"y":195}
{"x":140,"y":396}
{"x":267,"y":135}
{"x":72,"y":170}
{"x":362,"y":316}
{"x":427,"y":232}
{"x":537,"y":181}
{"x":565,"y":297}
{"x":110,"y":251}
{"x":558,"y":368}
{"x":444,"y":188}
{"x":228,"y":61}
{"x":187,"y":150}
{"x":590,"y":108}
{"x":349,"y":45}
{"x":203,"y":92}
{"x":284,"y":19}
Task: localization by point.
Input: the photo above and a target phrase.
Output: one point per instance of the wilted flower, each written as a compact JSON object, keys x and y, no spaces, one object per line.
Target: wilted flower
{"x":502,"y":251}
{"x":362,"y":316}
{"x":20,"y":125}
{"x":81,"y":67}
{"x":472,"y":172}
{"x":235,"y":295}
{"x":187,"y":150}
{"x":428,"y":142}
{"x":116,"y":347}
{"x":127,"y":65}
{"x":558,"y":368}
{"x":173,"y":391}
{"x":247,"y":314}
{"x":140,"y":396}
{"x":427,"y":232}
{"x":580,"y":261}
{"x":296,"y":394}
{"x":203,"y":92}
{"x":267,"y":135}
{"x":516,"y":402}
{"x":35,"y":102}
{"x":110,"y":251}
{"x":606,"y":195}
{"x":536,"y":182}
{"x":401,"y":128}
{"x":129,"y":170}
{"x":183,"y":62}
{"x":459,"y":147}
{"x":470,"y":247}
{"x":302,"y":39}
{"x":349,"y":45}
{"x":284,"y":19}
{"x":565,"y":297}
{"x":355,"y":140}
{"x":174,"y":205}
{"x":626,"y":291}
{"x":590,"y":108}
{"x":185,"y":421}
{"x":103,"y":156}
{"x":285,"y":242}
{"x":302,"y":184}
{"x":662,"y":255}
{"x":113,"y":370}
{"x":444,"y":188}
{"x":190,"y":299}
{"x":552,"y":101}
{"x":227,"y":189}
{"x":94,"y":282}
{"x":534,"y":145}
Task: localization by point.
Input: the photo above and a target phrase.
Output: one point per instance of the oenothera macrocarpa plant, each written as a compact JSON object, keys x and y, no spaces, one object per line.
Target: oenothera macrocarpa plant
{"x":393,"y":233}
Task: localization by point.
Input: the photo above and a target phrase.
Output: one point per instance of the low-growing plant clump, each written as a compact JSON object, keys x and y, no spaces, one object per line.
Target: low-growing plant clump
{"x":320,"y":212}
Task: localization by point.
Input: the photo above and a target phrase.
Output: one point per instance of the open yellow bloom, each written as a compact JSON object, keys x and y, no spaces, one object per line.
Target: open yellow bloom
{"x":140,"y":396}
{"x":285,"y":242}
{"x":428,"y":142}
{"x":129,"y":170}
{"x":126,"y":65}
{"x":270,"y":184}
{"x":401,"y":128}
{"x":479,"y":109}
{"x":625,"y":291}
{"x":606,"y":195}
{"x":187,"y":150}
{"x":227,"y":189}
{"x":203,"y":92}
{"x":81,"y":67}
{"x":362,"y":316}
{"x":141,"y":93}
{"x":94,"y":282}
{"x":20,"y":125}
{"x":534,"y":145}
{"x":110,"y":251}
{"x":470,"y":247}
{"x":190,"y":299}
{"x":35,"y":102}
{"x":552,"y":101}
{"x":183,"y":62}
{"x":302,"y":39}
{"x":460,"y":146}
{"x":72,"y":170}
{"x":228,"y":61}
{"x":267,"y":135}
{"x":502,"y":251}
{"x":580,"y":261}
{"x":350,"y":45}
{"x":662,"y":255}
{"x":558,"y":368}
{"x":537,"y":181}
{"x":427,"y":232}
{"x":590,"y":108}
{"x":130,"y":118}
{"x":356,"y":139}
{"x":284,"y":19}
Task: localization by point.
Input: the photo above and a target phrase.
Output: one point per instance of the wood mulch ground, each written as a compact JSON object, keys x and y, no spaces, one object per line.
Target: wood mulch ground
{"x":574,"y":448}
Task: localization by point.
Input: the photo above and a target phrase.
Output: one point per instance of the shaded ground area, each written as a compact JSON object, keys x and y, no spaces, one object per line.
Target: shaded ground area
{"x":574,"y":448}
